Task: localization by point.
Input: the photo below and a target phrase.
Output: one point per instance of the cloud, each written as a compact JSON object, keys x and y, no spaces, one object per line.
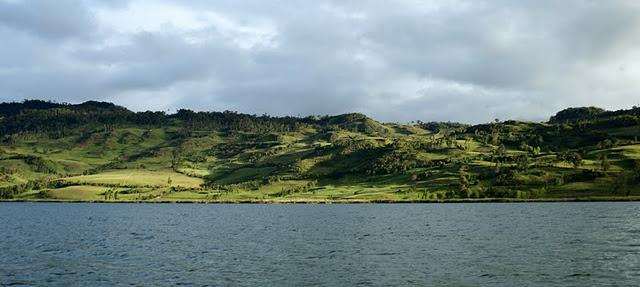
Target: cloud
{"x":49,"y":19}
{"x":397,"y":61}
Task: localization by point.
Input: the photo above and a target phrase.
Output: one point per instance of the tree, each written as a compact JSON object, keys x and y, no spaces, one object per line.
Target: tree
{"x":500,"y":151}
{"x":536,"y":150}
{"x":463,"y":183}
{"x":575,"y":160}
{"x":495,"y":137}
{"x":604,"y":162}
{"x":522,"y":162}
{"x":175,"y":159}
{"x":636,"y":171}
{"x":621,"y":184}
{"x":110,"y":194}
{"x":576,"y":114}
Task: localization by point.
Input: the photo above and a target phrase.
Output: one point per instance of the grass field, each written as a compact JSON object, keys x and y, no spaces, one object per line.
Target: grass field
{"x":88,"y":193}
{"x":140,"y":178}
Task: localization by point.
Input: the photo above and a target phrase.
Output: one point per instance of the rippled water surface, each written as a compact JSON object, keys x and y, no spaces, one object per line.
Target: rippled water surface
{"x":533,"y":244}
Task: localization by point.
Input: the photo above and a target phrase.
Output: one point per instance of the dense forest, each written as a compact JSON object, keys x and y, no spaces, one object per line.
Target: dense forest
{"x":98,"y":151}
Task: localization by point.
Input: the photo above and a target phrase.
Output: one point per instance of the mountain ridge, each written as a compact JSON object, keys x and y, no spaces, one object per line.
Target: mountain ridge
{"x":101,"y":151}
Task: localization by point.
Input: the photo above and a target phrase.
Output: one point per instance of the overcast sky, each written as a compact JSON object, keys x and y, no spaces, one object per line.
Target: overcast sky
{"x":469,"y":61}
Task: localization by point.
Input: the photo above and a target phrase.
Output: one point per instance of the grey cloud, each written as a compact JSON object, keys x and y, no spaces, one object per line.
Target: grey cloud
{"x":602,"y":32}
{"x":154,"y":61}
{"x":48,"y":19}
{"x":398,"y":61}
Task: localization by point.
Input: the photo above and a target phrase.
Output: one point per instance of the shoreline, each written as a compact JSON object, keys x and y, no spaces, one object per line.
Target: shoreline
{"x":484,"y":200}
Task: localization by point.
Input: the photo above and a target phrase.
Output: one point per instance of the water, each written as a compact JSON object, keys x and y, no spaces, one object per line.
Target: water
{"x":532,"y":244}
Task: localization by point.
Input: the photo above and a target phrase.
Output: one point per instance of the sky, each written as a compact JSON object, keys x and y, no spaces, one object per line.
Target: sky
{"x":397,"y":60}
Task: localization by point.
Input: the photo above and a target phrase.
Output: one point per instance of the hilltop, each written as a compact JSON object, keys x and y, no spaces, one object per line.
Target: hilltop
{"x":98,"y":151}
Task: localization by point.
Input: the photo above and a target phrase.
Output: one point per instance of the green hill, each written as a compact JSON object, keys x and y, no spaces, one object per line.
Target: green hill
{"x":98,"y":151}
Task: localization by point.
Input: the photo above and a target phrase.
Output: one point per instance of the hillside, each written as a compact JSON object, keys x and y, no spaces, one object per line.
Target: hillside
{"x":98,"y":151}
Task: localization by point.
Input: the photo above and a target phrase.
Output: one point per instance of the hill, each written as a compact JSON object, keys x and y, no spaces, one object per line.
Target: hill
{"x":97,"y":151}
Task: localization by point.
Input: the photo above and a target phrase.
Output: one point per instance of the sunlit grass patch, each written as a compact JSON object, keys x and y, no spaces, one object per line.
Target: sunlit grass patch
{"x":137,"y":177}
{"x":77,"y":193}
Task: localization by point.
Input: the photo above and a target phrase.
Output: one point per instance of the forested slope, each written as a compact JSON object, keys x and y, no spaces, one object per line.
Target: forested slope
{"x":100,"y":151}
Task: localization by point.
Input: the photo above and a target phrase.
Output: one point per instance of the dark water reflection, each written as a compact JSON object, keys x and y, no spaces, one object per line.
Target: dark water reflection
{"x":533,"y":244}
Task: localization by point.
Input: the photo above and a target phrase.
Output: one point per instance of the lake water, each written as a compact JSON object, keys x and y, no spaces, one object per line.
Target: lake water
{"x":525,"y":244}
